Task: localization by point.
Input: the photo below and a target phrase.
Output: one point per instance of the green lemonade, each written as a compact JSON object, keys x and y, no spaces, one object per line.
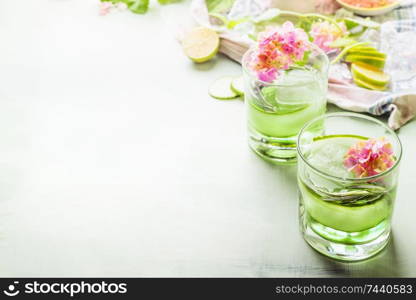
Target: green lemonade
{"x":276,"y":113}
{"x":347,"y":213}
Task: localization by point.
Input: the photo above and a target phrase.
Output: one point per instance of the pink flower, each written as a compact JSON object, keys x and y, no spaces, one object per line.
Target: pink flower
{"x":121,"y":6}
{"x":278,"y":49}
{"x":267,"y":75}
{"x":324,"y":33}
{"x":105,"y":8}
{"x":370,"y":157}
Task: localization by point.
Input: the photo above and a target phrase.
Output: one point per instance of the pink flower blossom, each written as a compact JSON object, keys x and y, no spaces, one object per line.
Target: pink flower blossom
{"x":121,"y":6}
{"x":370,"y":157}
{"x":105,"y":8}
{"x":278,"y":49}
{"x":267,"y":75}
{"x":324,"y":33}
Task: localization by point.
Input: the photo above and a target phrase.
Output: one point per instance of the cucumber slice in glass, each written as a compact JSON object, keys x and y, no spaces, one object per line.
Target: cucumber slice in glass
{"x":345,"y":218}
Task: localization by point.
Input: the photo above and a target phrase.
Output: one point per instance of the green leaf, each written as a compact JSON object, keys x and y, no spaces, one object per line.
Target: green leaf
{"x":353,"y":22}
{"x":305,"y":59}
{"x":138,"y":6}
{"x":164,"y":2}
{"x":252,"y":37}
{"x":318,"y":17}
{"x":219,"y":6}
{"x":273,"y":17}
{"x":223,"y":19}
{"x":342,"y":42}
{"x":305,"y":24}
{"x":232,"y":23}
{"x":229,"y":24}
{"x":117,"y":1}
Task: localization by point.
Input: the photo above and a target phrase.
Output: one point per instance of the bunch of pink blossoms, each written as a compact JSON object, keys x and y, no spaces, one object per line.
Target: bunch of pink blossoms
{"x":106,"y":7}
{"x":278,"y":49}
{"x":370,"y":157}
{"x":324,"y":33}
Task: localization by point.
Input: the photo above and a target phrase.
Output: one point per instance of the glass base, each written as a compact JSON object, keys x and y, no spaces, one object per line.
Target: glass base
{"x":273,"y":149}
{"x":346,"y":246}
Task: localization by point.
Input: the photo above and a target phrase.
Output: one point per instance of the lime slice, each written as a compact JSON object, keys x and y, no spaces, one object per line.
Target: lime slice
{"x":372,"y":53}
{"x":369,"y":74}
{"x":362,"y":48}
{"x":367,"y":85}
{"x":237,"y":85}
{"x":221,"y":89}
{"x":201,"y":44}
{"x":377,"y":62}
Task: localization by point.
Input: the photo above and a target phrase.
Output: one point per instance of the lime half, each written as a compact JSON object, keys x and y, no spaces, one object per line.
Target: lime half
{"x":201,"y":44}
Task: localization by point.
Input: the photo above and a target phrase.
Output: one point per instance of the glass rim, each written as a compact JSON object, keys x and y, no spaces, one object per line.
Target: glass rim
{"x":252,"y":76}
{"x":355,"y":115}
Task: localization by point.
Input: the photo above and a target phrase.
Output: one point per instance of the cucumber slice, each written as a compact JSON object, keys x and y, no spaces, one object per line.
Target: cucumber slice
{"x":344,"y":218}
{"x":221,"y":89}
{"x":237,"y":85}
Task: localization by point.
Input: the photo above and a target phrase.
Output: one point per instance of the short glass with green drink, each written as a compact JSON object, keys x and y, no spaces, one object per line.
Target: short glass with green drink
{"x":348,"y":169}
{"x":278,"y":106}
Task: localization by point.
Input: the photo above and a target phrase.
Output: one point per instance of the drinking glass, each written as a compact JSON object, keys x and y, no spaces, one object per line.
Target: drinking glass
{"x":277,"y":111}
{"x":342,"y":215}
